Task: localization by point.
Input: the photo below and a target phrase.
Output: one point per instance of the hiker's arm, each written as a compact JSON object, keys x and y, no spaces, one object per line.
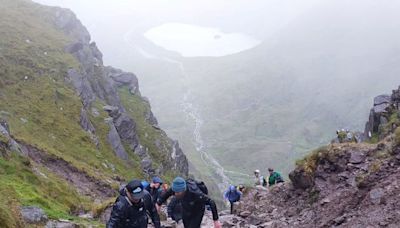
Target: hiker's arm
{"x":212,"y":205}
{"x":171,"y":207}
{"x":117,"y":216}
{"x":164,"y":197}
{"x":154,"y":214}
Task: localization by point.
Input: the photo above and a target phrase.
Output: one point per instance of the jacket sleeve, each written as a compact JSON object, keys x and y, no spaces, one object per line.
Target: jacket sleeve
{"x":151,"y":209}
{"x":171,"y":207}
{"x":117,"y":215}
{"x":164,"y":196}
{"x":207,"y":200}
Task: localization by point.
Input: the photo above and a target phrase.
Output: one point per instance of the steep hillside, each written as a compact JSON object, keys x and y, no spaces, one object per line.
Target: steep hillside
{"x":345,"y":185}
{"x":71,"y":129}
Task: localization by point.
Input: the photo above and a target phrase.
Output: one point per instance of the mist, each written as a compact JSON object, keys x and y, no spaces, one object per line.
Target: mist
{"x":245,"y":84}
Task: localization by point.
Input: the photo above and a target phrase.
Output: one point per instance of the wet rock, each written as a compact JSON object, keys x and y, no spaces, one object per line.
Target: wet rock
{"x":115,"y":142}
{"x":245,"y":214}
{"x":61,"y":224}
{"x":357,"y":157}
{"x":382,"y":99}
{"x":33,"y":215}
{"x":375,"y":195}
{"x":300,"y":179}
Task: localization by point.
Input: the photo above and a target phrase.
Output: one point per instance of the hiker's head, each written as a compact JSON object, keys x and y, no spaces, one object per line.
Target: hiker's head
{"x":179,"y":187}
{"x":271,"y":170}
{"x":232,"y":188}
{"x":256,"y":172}
{"x":156,"y":182}
{"x":134,"y":191}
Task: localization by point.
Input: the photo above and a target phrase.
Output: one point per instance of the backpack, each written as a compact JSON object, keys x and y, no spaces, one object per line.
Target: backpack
{"x":194,"y":185}
{"x":264,"y":182}
{"x":279,"y":178}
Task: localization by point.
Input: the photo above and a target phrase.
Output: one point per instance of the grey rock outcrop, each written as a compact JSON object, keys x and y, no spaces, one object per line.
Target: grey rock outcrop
{"x":9,"y":142}
{"x":380,"y":115}
{"x":94,"y":81}
{"x":33,"y":215}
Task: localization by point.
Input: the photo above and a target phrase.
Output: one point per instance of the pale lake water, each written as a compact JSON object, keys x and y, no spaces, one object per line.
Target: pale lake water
{"x":192,"y":40}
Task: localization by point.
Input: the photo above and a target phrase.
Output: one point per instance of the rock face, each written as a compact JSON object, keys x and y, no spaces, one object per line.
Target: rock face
{"x":351,"y":187}
{"x":94,"y":81}
{"x":380,"y":118}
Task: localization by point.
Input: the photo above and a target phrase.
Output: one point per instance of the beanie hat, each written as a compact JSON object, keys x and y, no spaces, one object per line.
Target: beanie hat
{"x":157,"y":180}
{"x":179,"y":185}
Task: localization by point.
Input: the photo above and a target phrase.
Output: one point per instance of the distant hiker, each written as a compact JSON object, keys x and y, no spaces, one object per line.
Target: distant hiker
{"x":259,"y":180}
{"x":349,"y":136}
{"x":274,"y":177}
{"x":131,"y":208}
{"x":341,"y":135}
{"x":193,"y":196}
{"x":241,"y":188}
{"x":175,"y":209}
{"x":155,"y":188}
{"x":232,"y":195}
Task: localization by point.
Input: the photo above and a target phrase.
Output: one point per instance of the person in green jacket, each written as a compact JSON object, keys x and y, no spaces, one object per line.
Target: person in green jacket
{"x":274,"y":177}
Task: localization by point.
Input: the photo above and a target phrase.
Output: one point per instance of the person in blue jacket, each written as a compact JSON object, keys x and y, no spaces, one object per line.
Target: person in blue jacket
{"x":232,"y":195}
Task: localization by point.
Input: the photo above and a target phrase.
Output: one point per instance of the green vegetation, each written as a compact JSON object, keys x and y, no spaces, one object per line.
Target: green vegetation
{"x":397,"y":137}
{"x":19,"y":185}
{"x":44,"y":111}
{"x":154,"y":140}
{"x":309,"y":163}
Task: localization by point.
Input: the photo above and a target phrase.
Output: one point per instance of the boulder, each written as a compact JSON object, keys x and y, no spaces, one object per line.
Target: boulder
{"x":375,"y":195}
{"x":33,"y":215}
{"x":301,"y":179}
{"x":357,"y":157}
{"x":382,"y":99}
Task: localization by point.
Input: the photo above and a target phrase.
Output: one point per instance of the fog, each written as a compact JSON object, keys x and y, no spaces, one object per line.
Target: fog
{"x":250,"y":84}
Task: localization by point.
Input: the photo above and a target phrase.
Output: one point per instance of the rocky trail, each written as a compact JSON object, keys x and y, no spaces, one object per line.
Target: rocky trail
{"x":85,"y":184}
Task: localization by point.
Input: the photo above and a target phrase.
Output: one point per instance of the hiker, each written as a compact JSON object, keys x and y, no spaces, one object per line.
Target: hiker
{"x":193,"y":196}
{"x":259,"y":180}
{"x":175,"y":209}
{"x":241,"y":188}
{"x":155,"y":188}
{"x":145,"y":184}
{"x":131,"y":206}
{"x":274,"y":177}
{"x":232,"y":195}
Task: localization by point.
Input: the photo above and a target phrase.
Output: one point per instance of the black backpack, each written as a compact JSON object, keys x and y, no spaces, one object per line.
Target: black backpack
{"x":194,"y":186}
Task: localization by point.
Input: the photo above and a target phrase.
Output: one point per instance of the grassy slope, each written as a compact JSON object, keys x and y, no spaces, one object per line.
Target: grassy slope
{"x":43,"y":111}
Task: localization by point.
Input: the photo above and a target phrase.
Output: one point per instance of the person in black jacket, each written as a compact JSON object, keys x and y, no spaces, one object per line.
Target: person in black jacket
{"x":193,"y":202}
{"x":175,"y":209}
{"x":131,"y":206}
{"x":155,"y":188}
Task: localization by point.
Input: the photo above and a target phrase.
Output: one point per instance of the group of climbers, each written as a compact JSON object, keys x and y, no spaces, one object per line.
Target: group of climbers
{"x":139,"y":199}
{"x":274,"y":178}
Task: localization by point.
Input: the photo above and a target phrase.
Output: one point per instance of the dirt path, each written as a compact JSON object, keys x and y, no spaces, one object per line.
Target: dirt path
{"x":85,"y":184}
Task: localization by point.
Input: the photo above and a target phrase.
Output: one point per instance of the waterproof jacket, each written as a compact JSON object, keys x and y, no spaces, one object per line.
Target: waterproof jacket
{"x":193,"y":202}
{"x":154,"y":192}
{"x":232,"y":196}
{"x":274,"y":178}
{"x":175,"y":209}
{"x":126,"y":214}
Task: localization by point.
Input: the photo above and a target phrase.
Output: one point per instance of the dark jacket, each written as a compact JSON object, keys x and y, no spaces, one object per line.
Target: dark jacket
{"x":154,"y":192}
{"x":193,"y":202}
{"x":175,"y":209}
{"x":126,"y":214}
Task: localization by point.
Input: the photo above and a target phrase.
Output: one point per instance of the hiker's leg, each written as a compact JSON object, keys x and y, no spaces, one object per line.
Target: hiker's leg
{"x":186,"y":221}
{"x":231,"y":207}
{"x":196,"y":219}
